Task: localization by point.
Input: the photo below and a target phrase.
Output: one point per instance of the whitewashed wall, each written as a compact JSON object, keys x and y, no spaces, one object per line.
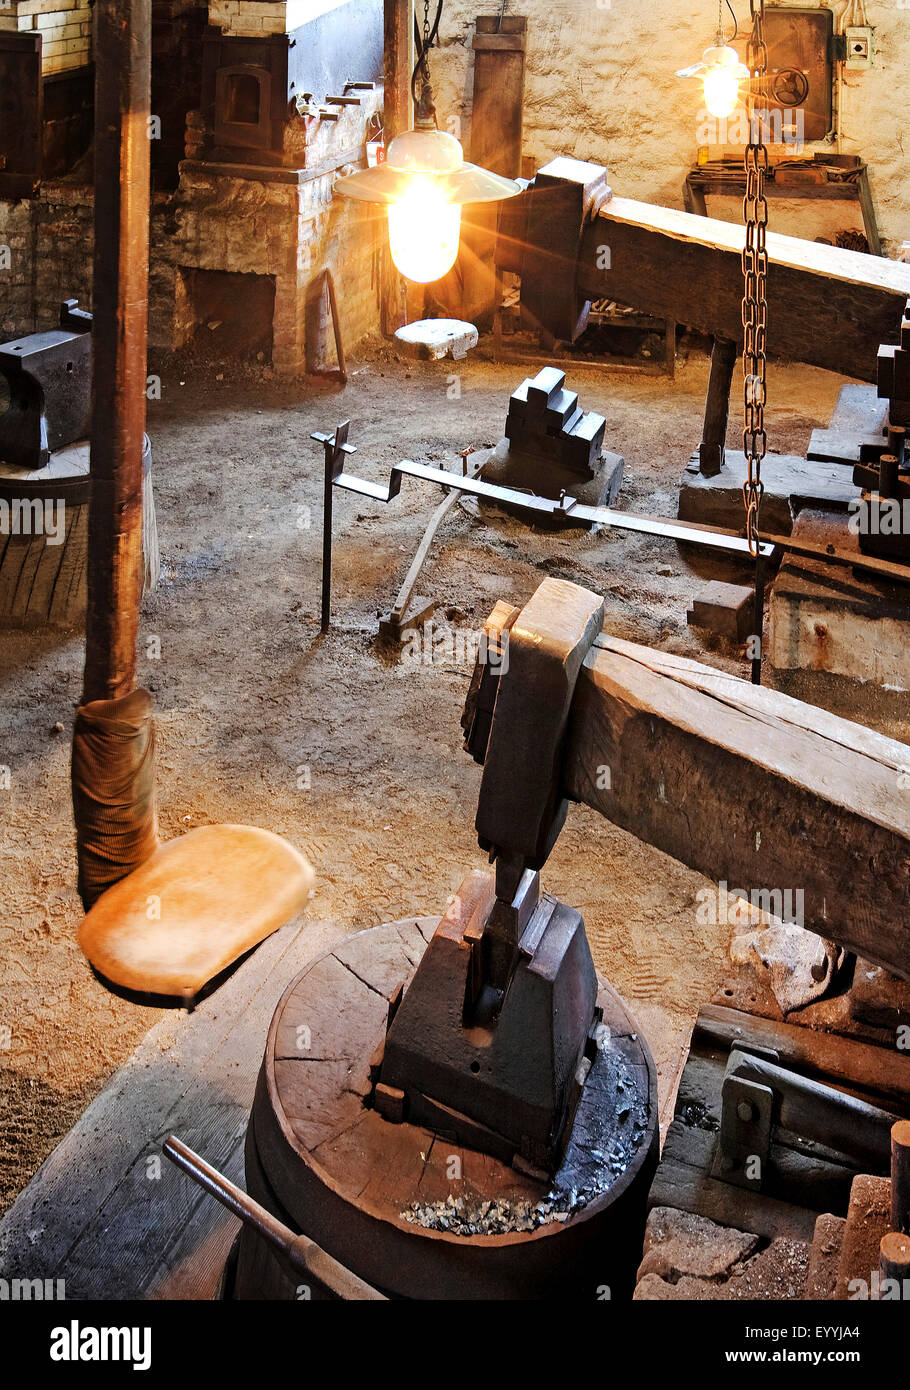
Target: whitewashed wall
{"x":600,"y":86}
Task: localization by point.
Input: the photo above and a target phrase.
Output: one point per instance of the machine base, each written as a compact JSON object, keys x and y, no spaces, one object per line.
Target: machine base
{"x":415,"y":1214}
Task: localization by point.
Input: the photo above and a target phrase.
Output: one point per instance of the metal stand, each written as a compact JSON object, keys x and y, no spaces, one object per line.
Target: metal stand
{"x":712,"y":538}
{"x":336,"y":446}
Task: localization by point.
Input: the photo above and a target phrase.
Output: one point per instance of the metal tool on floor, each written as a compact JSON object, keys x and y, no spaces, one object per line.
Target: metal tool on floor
{"x":302,"y":1258}
{"x":407,"y":611}
{"x":759,"y":1093}
{"x":337,"y":449}
{"x":883,"y":471}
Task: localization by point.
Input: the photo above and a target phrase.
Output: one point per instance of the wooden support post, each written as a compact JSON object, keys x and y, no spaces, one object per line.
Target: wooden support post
{"x":900,"y":1177}
{"x":894,"y":1258}
{"x":717,"y":407}
{"x":115,"y":564}
{"x":398,"y":65}
{"x":868,"y":210}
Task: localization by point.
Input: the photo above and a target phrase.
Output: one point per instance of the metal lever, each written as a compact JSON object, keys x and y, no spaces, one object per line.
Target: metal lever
{"x":757,"y":1092}
{"x":299,"y":1254}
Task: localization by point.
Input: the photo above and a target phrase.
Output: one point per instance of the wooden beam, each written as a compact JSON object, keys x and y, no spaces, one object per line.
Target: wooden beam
{"x":826,"y":306}
{"x":750,"y":787}
{"x":498,"y":99}
{"x":120,"y":294}
{"x":712,"y":450}
{"x":397,"y":68}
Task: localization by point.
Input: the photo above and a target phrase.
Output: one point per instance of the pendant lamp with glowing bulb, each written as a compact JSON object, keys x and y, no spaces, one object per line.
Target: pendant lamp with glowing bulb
{"x":721,"y":72}
{"x":424,"y":182}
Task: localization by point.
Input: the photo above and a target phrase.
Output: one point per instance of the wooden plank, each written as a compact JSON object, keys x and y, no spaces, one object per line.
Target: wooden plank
{"x":827,"y":306}
{"x":874,"y":1070}
{"x":498,"y":101}
{"x":108,"y":1226}
{"x":678,"y":1185}
{"x":812,"y":257}
{"x":749,"y":787}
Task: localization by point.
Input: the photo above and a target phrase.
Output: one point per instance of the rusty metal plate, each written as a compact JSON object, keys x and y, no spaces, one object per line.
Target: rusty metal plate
{"x":800,"y":71}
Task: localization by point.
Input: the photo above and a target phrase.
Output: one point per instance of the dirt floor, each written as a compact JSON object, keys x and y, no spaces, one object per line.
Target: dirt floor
{"x":353,"y":753}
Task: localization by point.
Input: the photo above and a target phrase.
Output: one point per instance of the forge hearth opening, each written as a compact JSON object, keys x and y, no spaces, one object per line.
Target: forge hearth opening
{"x":243,"y":105}
{"x":226,"y":313}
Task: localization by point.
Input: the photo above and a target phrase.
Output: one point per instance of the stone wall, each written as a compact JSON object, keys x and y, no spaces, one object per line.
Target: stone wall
{"x":600,"y":85}
{"x":45,"y":256}
{"x":286,"y":225}
{"x":253,"y":18}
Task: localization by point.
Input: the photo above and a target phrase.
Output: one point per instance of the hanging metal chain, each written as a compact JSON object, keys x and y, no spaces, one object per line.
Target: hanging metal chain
{"x":426,"y":37}
{"x":755,"y":276}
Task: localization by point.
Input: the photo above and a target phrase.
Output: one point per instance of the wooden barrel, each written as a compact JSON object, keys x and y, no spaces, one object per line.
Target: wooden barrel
{"x":392,"y":1201}
{"x":44,"y":538}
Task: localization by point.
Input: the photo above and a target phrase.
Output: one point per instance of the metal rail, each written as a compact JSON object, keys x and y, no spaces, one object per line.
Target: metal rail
{"x":709,"y":537}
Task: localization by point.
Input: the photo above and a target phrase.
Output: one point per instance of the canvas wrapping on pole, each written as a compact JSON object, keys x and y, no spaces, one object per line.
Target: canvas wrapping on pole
{"x":113,"y":774}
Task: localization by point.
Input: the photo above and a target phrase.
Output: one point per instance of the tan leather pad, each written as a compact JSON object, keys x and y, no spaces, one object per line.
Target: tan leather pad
{"x":196,"y":905}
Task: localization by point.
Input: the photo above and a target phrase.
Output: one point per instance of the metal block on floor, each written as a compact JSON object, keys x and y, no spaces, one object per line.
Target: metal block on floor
{"x":791,"y":483}
{"x":724,"y":609}
{"x":432,"y":339}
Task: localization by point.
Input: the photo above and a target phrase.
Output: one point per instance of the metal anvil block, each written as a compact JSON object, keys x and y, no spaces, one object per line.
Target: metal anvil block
{"x":49,"y":380}
{"x":546,"y":419}
{"x":502,"y":1077}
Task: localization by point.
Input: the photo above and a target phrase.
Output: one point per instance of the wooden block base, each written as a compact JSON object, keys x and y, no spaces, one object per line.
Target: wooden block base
{"x":839,"y":637}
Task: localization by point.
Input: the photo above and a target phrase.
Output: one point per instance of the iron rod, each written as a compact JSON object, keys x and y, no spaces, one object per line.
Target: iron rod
{"x":327,"y":543}
{"x":299,"y":1253}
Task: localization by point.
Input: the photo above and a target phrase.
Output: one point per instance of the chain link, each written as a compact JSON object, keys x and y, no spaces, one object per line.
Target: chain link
{"x":426,"y":40}
{"x":755,"y":277}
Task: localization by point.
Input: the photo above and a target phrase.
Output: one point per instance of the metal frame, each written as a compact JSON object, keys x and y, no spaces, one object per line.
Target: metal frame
{"x":337,"y":448}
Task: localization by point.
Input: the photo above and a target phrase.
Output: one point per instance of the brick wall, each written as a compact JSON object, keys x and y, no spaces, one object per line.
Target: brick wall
{"x":66,"y":31}
{"x":253,"y":18}
{"x":284,"y":224}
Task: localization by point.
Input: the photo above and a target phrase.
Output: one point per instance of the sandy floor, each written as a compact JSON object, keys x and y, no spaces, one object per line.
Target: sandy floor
{"x":248,"y":693}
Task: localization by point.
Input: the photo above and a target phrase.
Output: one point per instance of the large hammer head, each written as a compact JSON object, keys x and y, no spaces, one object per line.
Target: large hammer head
{"x":522,"y":808}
